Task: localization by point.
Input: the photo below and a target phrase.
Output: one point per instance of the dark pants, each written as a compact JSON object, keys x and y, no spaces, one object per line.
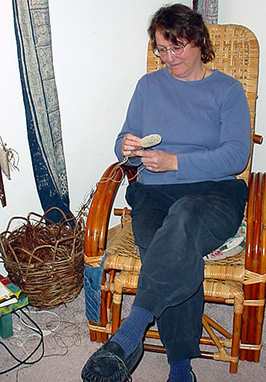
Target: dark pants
{"x":174,"y":227}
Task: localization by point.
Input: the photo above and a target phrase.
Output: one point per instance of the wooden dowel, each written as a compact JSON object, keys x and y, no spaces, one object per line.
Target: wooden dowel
{"x":217,"y":326}
{"x":207,"y":355}
{"x":154,"y":348}
{"x":258,"y":139}
{"x":122,"y":211}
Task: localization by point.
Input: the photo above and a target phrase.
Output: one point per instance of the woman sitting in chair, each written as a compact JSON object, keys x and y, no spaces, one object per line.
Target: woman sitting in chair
{"x":186,"y":201}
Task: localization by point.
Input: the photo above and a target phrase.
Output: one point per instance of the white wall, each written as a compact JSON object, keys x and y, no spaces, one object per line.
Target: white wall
{"x":99,"y":53}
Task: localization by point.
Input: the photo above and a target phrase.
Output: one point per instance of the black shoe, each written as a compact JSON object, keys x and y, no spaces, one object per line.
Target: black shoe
{"x":109,"y":364}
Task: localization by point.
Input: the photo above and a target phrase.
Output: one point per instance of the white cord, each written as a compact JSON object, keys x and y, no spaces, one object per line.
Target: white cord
{"x":45,"y":332}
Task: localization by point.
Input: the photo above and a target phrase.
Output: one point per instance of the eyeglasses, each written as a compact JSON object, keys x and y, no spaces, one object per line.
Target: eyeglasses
{"x":175,"y":50}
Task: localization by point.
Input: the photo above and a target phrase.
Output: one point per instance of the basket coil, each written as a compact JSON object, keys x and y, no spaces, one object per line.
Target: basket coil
{"x":44,"y":259}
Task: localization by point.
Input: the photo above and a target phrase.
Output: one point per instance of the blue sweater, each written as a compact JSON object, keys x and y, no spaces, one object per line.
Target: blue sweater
{"x":205,"y":123}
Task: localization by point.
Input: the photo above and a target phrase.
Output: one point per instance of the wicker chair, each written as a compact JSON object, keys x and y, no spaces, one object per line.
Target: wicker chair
{"x":238,"y":281}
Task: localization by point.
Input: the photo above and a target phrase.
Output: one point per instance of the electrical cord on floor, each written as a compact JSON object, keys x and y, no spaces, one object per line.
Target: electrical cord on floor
{"x":45,"y":331}
{"x":26,"y":360}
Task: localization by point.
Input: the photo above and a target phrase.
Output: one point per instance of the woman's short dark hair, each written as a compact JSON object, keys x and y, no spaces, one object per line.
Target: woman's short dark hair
{"x":179,"y":21}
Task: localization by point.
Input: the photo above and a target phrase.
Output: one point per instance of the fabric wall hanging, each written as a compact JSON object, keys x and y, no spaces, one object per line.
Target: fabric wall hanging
{"x":34,"y":49}
{"x":208,"y":9}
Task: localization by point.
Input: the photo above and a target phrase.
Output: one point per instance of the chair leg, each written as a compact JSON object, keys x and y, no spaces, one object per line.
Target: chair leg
{"x":93,"y":334}
{"x":236,"y":339}
{"x":116,"y":311}
{"x":98,"y":336}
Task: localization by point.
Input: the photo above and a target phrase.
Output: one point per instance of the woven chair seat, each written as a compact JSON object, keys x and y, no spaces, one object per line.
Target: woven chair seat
{"x":122,"y":263}
{"x":120,"y":240}
{"x":212,"y":288}
{"x":122,"y":254}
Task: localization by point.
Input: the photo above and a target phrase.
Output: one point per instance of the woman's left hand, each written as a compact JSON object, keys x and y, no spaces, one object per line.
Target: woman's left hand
{"x":157,"y":160}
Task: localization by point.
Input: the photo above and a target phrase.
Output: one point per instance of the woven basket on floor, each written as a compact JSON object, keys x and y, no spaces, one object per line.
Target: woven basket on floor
{"x":44,"y":260}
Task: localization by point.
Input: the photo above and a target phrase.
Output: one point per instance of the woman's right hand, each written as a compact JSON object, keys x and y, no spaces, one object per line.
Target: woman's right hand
{"x":130,"y":144}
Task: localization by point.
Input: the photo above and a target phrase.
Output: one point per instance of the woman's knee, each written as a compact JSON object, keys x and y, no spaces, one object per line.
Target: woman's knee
{"x":186,"y":209}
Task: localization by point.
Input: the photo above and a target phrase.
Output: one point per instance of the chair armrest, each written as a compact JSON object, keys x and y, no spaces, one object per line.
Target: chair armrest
{"x":100,"y":209}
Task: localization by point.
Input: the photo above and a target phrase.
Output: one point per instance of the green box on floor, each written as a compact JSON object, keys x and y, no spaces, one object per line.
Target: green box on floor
{"x":6,"y":324}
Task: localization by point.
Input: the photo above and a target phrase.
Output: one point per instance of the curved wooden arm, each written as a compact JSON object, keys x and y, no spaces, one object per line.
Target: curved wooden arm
{"x":255,"y":261}
{"x":100,"y":209}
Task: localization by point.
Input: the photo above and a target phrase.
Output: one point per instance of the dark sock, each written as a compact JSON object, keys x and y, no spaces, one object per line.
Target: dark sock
{"x":132,"y":330}
{"x":180,"y":371}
